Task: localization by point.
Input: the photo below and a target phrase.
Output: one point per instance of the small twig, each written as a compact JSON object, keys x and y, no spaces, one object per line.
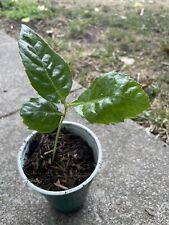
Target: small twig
{"x":37,"y":180}
{"x":46,"y":153}
{"x":57,"y":184}
{"x":142,"y":12}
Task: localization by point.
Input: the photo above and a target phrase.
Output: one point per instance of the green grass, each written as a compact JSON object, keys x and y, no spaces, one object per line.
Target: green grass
{"x":151,"y":22}
{"x":19,"y":9}
{"x":77,"y":28}
{"x":59,"y":44}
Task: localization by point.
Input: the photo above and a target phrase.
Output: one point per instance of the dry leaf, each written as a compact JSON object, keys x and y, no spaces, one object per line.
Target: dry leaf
{"x":42,"y":8}
{"x":26,"y":20}
{"x":138,"y":5}
{"x":126,"y":60}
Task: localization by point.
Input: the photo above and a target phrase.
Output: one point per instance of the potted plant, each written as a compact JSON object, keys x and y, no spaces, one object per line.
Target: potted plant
{"x":60,"y":159}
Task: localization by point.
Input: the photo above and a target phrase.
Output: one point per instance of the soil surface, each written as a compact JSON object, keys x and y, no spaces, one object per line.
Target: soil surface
{"x":74,"y":161}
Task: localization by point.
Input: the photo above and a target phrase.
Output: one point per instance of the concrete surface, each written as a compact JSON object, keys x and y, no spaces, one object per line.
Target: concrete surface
{"x":131,"y":188}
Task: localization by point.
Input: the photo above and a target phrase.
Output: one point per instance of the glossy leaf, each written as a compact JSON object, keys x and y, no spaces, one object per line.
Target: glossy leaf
{"x":48,"y":73}
{"x":111,"y":98}
{"x":41,"y":115}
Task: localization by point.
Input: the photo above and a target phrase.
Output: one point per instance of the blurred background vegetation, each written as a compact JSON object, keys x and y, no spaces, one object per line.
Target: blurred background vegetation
{"x":95,"y":38}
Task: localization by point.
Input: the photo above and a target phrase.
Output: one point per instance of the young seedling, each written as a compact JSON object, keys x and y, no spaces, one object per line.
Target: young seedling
{"x":111,"y":98}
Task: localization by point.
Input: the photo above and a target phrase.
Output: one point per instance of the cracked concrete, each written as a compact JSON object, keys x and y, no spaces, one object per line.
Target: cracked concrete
{"x":75,"y":88}
{"x":130,"y":189}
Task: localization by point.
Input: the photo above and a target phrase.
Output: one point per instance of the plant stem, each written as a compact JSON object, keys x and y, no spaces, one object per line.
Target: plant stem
{"x":58,"y":132}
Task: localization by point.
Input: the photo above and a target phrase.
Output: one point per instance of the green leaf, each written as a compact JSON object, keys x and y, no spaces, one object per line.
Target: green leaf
{"x":48,"y":73}
{"x":111,"y":98}
{"x":41,"y":115}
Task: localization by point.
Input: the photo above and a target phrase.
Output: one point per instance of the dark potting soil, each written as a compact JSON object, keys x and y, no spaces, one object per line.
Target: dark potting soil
{"x":74,"y":161}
